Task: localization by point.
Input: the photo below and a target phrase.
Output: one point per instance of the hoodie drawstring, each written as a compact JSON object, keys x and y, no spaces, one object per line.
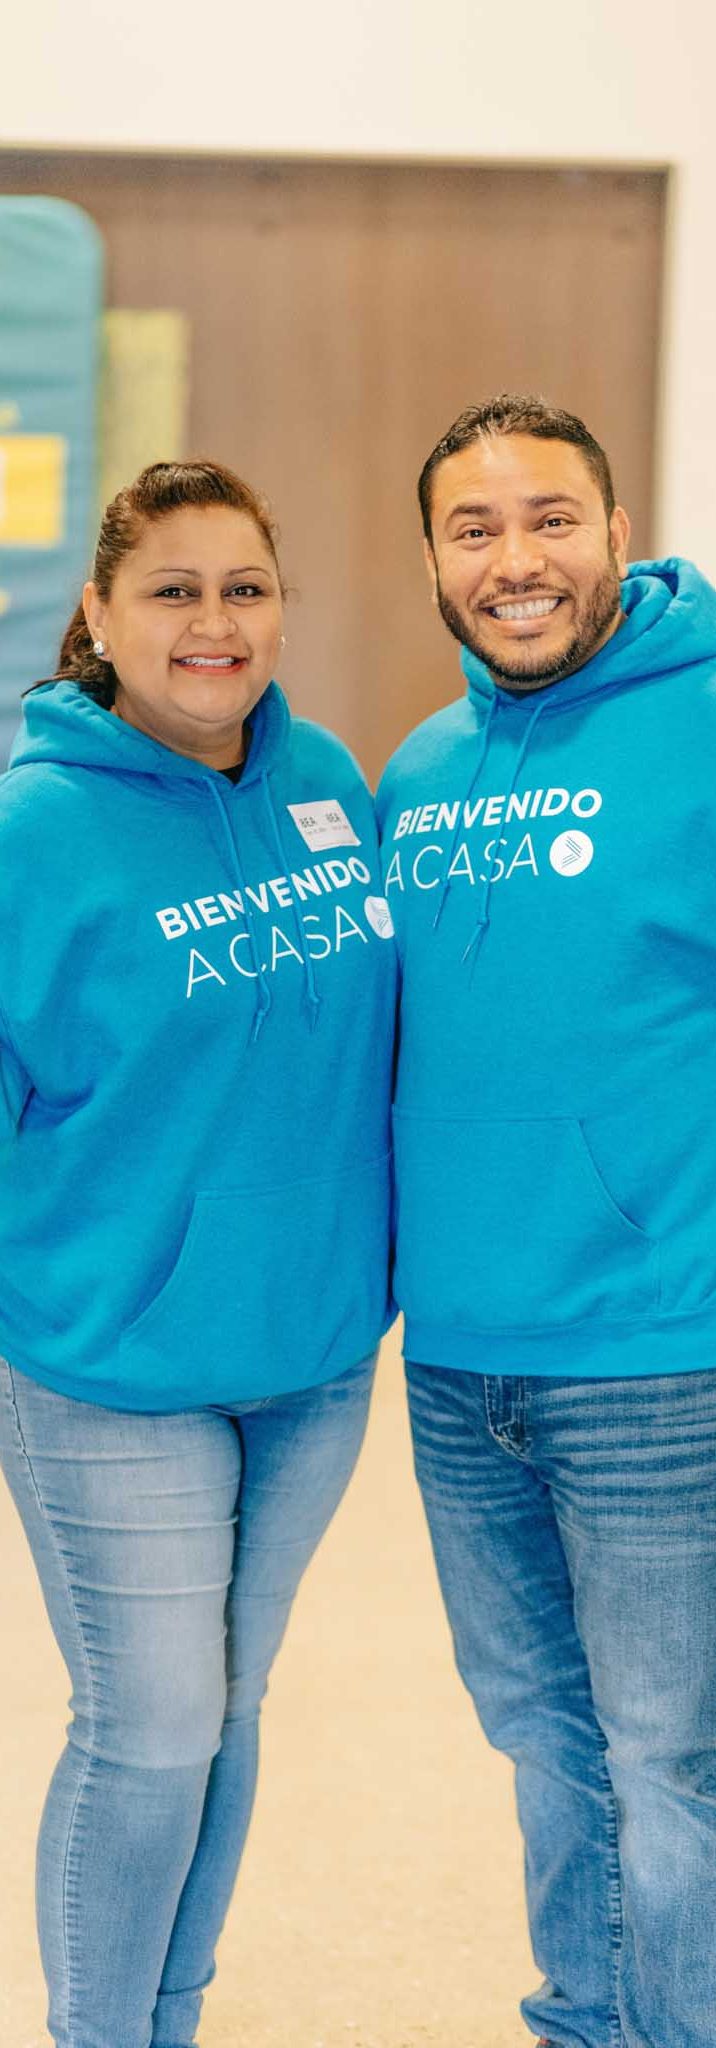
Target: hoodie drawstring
{"x":263,"y":1002}
{"x":263,"y":998}
{"x":314,"y":1000}
{"x":483,"y":917}
{"x":477,"y":770}
{"x":482,"y":920}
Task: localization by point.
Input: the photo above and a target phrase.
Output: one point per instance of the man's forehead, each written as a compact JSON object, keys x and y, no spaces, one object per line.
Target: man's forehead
{"x":518,"y":464}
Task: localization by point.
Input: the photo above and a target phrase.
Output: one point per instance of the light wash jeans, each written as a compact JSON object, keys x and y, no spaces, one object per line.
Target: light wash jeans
{"x":574,"y":1530}
{"x":169,"y":1549}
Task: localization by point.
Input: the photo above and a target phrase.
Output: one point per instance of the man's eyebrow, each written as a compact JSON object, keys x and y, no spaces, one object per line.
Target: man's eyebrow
{"x":479,"y":509}
{"x":472,"y":505}
{"x":537,"y":503}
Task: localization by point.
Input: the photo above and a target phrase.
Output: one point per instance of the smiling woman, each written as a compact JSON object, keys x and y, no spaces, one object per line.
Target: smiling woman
{"x":195,"y":1082}
{"x":186,"y":604}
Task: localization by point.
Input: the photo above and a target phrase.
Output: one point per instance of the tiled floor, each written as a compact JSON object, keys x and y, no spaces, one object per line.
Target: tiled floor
{"x":380,"y":1900}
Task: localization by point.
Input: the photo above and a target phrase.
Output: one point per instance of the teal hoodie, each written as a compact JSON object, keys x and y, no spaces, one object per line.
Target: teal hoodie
{"x":197,"y":987}
{"x":550,"y":866}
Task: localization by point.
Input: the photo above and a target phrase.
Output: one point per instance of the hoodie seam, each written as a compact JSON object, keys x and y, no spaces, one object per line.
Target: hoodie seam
{"x":647,"y":1321}
{"x":11,"y":1039}
{"x":281,"y":1187}
{"x":557,"y":1116}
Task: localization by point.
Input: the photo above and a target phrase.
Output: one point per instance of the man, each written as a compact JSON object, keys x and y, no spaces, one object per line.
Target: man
{"x":550,"y":864}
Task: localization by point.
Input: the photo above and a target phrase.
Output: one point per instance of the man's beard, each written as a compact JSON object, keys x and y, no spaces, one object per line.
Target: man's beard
{"x":600,"y":611}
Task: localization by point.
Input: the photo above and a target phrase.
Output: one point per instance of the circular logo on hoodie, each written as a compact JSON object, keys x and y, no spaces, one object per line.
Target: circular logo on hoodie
{"x":571,"y":853}
{"x":379,"y":918}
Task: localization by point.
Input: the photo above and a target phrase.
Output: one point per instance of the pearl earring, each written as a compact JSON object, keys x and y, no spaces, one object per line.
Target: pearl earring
{"x":98,"y":646}
{"x":282,"y":641}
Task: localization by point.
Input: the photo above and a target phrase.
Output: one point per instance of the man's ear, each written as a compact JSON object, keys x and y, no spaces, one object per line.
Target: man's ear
{"x":431,"y":567}
{"x":619,"y":534}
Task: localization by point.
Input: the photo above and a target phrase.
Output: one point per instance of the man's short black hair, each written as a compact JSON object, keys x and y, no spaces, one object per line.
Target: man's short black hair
{"x":509,"y":414}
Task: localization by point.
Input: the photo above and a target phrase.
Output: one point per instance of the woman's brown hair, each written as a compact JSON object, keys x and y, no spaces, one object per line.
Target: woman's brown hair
{"x":163,"y":487}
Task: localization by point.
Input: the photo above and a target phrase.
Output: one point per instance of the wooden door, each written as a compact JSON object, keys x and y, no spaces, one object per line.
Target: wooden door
{"x":342,"y":315}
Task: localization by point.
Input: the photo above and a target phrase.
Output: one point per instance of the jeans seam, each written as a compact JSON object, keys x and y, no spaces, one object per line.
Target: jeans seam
{"x":501,"y":1434}
{"x":615,"y":1915}
{"x":90,"y":1684}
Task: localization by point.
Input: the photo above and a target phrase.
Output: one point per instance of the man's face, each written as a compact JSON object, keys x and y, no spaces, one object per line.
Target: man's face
{"x":524,"y":565}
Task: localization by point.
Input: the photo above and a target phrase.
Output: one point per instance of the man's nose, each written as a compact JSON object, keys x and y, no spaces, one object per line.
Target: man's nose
{"x":520,"y":556}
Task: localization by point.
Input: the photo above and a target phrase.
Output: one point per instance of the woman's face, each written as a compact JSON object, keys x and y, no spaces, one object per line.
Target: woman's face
{"x":192,"y":627}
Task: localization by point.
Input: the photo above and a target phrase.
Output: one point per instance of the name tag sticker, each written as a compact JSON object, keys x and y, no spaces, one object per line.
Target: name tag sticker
{"x":323,"y":824}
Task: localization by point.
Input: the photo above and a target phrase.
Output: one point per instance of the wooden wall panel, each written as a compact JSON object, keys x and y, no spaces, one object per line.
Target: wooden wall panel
{"x":341,"y":316}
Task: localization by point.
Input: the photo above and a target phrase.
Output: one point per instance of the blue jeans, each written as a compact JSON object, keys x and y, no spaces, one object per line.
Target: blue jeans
{"x":169,"y":1549}
{"x":574,"y":1530}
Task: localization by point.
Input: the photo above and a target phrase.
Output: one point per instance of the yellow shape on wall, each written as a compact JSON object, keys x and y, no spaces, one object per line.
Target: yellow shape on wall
{"x":32,"y":490}
{"x":144,"y":399}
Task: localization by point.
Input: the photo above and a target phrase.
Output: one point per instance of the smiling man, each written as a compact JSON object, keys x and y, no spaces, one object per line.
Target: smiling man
{"x":525,"y":563}
{"x":550,"y":851}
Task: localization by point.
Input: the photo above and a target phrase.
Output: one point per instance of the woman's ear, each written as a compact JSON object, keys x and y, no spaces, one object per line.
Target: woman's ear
{"x":94,"y":611}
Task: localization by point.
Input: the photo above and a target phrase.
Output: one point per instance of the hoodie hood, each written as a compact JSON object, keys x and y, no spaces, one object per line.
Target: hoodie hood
{"x":63,"y":724}
{"x":670,"y":623}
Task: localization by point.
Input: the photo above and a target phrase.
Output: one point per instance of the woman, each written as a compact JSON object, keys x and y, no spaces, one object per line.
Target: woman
{"x":197,"y":983}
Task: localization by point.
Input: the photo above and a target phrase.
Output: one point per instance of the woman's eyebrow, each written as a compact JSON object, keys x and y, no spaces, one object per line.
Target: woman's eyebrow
{"x":177,"y":569}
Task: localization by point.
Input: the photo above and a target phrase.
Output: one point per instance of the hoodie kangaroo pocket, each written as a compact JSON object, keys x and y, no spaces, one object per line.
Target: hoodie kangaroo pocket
{"x":509,"y":1226}
{"x":272,"y":1289}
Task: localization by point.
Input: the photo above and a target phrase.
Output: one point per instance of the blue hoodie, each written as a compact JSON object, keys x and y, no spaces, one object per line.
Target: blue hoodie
{"x":550,"y":866}
{"x":197,"y":986}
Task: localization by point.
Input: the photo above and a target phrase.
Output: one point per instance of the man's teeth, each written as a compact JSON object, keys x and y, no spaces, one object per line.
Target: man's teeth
{"x":527,"y":608}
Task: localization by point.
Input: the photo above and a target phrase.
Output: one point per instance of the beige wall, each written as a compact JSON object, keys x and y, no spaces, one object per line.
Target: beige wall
{"x":576,"y":79}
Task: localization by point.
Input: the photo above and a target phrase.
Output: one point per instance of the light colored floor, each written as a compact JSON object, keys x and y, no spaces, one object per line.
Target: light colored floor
{"x":380,"y":1901}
